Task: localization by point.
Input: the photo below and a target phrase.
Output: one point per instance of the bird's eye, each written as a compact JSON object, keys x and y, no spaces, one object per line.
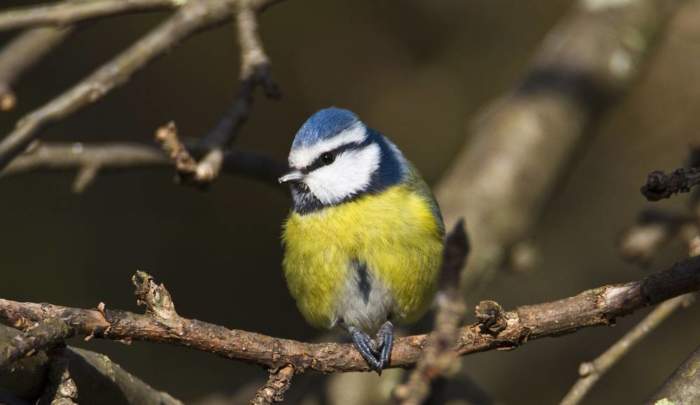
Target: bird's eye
{"x":327,"y":158}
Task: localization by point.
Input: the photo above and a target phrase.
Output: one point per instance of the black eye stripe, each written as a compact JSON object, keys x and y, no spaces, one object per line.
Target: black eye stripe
{"x":320,"y":161}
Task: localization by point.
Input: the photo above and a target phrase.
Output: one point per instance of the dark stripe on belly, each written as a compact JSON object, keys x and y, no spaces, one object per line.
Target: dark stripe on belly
{"x":363,"y":282}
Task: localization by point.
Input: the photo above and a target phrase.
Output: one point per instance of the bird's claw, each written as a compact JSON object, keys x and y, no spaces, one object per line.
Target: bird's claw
{"x":376,"y":352}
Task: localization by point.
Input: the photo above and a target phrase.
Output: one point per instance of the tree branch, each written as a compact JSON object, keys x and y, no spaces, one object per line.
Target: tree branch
{"x":254,"y":72}
{"x":23,"y":52}
{"x":660,"y":185}
{"x":683,"y":386}
{"x":273,"y":391}
{"x":600,"y":306}
{"x":48,"y":333}
{"x":123,"y":155}
{"x":592,"y":371}
{"x":69,"y":12}
{"x":61,"y":388}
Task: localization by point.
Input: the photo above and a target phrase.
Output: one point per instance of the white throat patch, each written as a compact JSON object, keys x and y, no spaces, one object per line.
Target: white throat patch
{"x":302,"y":157}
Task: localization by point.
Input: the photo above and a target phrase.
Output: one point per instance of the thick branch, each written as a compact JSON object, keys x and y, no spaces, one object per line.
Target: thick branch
{"x":600,"y":306}
{"x":193,"y":16}
{"x":68,"y":12}
{"x":583,"y":65}
{"x":48,"y":333}
{"x":592,"y":371}
{"x":683,"y":387}
{"x":23,"y":52}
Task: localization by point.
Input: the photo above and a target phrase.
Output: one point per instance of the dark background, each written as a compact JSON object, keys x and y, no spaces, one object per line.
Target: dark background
{"x":417,"y":71}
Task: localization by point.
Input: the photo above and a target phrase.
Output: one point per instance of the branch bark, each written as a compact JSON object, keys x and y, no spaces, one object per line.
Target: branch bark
{"x":23,"y":52}
{"x":683,"y":387}
{"x":583,"y":65}
{"x":596,"y":307}
{"x":124,"y":155}
{"x":273,"y":391}
{"x":69,"y":12}
{"x":48,"y":333}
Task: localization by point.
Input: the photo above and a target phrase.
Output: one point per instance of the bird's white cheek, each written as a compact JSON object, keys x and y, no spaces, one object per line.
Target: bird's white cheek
{"x":350,"y":174}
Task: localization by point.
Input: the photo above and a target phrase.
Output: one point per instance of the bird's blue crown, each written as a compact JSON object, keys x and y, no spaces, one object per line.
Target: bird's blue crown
{"x":324,"y":124}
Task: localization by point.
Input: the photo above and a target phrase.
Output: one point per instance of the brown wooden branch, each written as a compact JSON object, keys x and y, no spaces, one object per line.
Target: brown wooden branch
{"x":683,"y":386}
{"x":98,"y":157}
{"x":44,"y":335}
{"x":192,"y":17}
{"x":69,"y":12}
{"x":22,"y":53}
{"x":61,"y":388}
{"x":592,"y":371}
{"x":596,"y":307}
{"x":584,"y":64}
{"x":273,"y":391}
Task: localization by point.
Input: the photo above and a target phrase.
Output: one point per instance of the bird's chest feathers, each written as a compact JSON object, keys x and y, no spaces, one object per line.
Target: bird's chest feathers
{"x":393,"y":236}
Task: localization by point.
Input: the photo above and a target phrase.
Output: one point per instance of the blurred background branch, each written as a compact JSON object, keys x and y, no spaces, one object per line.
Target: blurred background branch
{"x":683,"y":386}
{"x":585,"y":64}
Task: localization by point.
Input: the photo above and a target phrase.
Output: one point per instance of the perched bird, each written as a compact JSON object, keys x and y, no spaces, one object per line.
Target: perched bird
{"x":363,"y":242}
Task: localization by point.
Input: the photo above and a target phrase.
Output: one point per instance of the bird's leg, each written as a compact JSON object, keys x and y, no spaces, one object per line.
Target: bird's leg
{"x":385,"y":342}
{"x":363,"y":344}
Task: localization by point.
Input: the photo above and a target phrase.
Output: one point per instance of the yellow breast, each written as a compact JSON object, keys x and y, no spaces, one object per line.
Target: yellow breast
{"x":394,"y":232}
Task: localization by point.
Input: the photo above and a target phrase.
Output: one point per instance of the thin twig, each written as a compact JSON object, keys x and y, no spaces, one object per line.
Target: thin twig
{"x":254,"y":72}
{"x":23,"y":52}
{"x":46,"y":334}
{"x":190,"y":18}
{"x":438,"y":358}
{"x":124,"y":155}
{"x":592,"y":371}
{"x":277,"y":384}
{"x":599,"y":306}
{"x":69,"y":12}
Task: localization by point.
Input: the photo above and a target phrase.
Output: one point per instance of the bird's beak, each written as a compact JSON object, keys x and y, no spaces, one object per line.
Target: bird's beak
{"x":293,"y":176}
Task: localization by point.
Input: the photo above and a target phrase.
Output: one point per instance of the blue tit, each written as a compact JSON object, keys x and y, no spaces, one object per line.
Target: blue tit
{"x":364,"y":239}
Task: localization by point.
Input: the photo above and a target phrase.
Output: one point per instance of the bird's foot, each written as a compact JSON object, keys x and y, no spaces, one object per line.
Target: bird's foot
{"x":376,"y":352}
{"x":385,"y":342}
{"x":364,"y":344}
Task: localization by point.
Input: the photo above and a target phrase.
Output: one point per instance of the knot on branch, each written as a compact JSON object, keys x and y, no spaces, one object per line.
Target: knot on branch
{"x":491,"y":318}
{"x":188,"y":170}
{"x":157,"y":300}
{"x":660,"y":185}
